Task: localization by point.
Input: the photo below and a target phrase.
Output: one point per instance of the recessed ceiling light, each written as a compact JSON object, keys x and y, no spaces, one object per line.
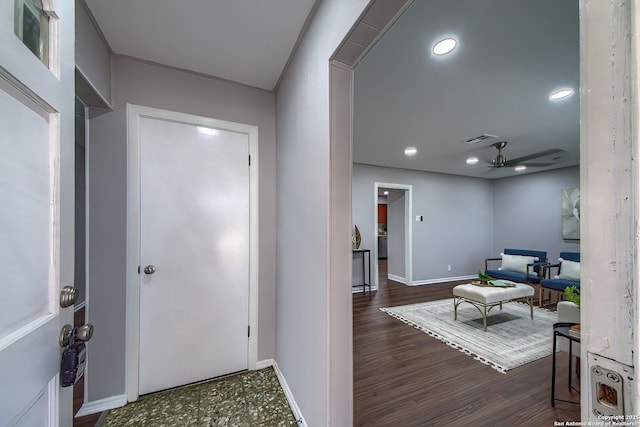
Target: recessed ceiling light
{"x":472,"y":160}
{"x":445,"y":46}
{"x":520,"y":168}
{"x":410,"y":151}
{"x":561,"y":94}
{"x":386,"y":193}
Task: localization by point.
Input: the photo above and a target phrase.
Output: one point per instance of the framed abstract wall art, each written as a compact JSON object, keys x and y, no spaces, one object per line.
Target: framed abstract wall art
{"x":570,"y":211}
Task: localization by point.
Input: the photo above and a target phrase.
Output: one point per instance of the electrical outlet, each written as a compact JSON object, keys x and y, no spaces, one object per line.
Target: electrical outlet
{"x":448,"y":267}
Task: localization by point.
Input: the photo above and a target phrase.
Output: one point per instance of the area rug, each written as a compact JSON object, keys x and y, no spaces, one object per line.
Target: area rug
{"x":512,"y":338}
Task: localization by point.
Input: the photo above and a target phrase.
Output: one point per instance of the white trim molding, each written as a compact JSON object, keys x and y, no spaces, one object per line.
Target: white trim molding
{"x":442,"y":280}
{"x":398,"y":279}
{"x":358,"y":289}
{"x":610,"y":199}
{"x":339,"y":393}
{"x":102,"y":405}
{"x":134,"y":114}
{"x":408,"y":229}
{"x":295,"y":409}
{"x":79,"y":306}
{"x":261,"y":364}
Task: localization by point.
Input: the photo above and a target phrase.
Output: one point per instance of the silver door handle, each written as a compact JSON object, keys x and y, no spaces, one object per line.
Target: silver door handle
{"x":84,"y":332}
{"x":68,"y":296}
{"x":150,"y":269}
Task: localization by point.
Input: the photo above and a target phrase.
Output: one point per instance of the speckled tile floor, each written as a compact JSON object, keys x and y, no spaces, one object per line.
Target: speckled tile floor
{"x":254,"y":398}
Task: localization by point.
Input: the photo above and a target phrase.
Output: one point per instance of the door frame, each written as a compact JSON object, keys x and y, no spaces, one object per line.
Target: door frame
{"x":84,"y":303}
{"x":134,"y":114}
{"x":609,"y":116}
{"x":408,"y":229}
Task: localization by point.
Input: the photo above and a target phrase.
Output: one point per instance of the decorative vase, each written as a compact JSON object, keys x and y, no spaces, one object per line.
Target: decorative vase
{"x":356,"y":238}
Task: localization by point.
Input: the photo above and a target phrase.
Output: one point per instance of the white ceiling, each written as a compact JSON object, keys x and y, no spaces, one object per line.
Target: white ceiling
{"x":247,"y":41}
{"x":510,"y":56}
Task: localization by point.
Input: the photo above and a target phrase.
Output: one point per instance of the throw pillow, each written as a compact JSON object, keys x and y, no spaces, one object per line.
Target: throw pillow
{"x":570,"y":270}
{"x":517,"y":262}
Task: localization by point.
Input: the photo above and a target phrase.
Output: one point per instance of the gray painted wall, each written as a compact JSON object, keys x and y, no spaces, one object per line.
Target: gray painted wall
{"x":302,"y":111}
{"x":457,"y":215}
{"x":467,"y":220}
{"x":92,"y":56}
{"x":396,"y":236}
{"x":143,"y":84}
{"x":527,"y":212}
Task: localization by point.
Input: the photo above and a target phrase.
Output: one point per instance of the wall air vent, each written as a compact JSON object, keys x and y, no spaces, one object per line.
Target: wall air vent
{"x":480,"y":138}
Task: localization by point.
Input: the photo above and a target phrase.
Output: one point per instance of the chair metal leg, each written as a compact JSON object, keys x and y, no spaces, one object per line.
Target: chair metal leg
{"x":484,"y":317}
{"x":541,"y":298}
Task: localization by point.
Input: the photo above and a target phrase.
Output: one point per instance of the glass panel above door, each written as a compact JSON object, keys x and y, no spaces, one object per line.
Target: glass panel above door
{"x":31,"y":25}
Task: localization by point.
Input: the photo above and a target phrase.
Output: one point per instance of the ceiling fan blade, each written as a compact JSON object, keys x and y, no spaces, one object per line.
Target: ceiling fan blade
{"x":536,"y":165}
{"x":519,"y":160}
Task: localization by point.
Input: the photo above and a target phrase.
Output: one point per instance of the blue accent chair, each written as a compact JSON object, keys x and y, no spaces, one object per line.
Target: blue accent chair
{"x":558,"y":285}
{"x":518,"y":276}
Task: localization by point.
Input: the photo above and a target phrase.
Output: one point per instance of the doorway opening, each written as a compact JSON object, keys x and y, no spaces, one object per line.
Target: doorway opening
{"x":392,"y":228}
{"x":590,"y":17}
{"x":89,"y":104}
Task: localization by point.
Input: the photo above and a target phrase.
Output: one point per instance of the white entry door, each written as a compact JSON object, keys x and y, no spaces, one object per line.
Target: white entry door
{"x":194,"y":251}
{"x":36,"y":208}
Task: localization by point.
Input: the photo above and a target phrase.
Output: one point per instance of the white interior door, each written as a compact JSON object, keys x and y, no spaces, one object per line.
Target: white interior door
{"x":194,"y":246}
{"x":36,"y":214}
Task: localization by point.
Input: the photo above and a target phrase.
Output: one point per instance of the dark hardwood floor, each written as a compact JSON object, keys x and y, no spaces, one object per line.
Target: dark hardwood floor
{"x":404,"y":377}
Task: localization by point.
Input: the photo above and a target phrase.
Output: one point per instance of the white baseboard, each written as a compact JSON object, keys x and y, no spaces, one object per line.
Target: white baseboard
{"x":261,"y":364}
{"x":397,"y":278}
{"x":287,"y":392}
{"x":102,"y":405}
{"x":358,"y":289}
{"x":442,"y":280}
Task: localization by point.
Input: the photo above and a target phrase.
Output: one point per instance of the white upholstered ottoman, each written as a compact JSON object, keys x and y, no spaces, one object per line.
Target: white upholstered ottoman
{"x":484,"y":298}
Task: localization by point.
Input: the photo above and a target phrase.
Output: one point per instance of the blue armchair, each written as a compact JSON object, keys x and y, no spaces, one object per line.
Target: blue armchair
{"x":567,"y":275}
{"x":517,"y":268}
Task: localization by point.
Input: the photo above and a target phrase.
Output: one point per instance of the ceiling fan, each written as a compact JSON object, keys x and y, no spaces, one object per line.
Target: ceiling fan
{"x":501,"y":161}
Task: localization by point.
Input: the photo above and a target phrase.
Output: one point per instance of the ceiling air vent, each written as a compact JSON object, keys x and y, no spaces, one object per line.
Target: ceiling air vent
{"x":480,"y":138}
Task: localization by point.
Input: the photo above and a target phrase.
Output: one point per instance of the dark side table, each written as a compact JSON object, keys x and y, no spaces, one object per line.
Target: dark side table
{"x":562,"y":329}
{"x":364,"y":252}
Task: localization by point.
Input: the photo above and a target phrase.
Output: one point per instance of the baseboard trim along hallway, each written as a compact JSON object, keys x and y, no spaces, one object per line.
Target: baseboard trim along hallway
{"x":285,"y":387}
{"x":102,"y":405}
